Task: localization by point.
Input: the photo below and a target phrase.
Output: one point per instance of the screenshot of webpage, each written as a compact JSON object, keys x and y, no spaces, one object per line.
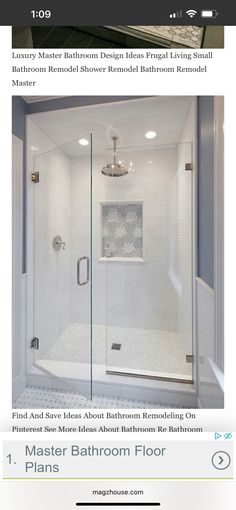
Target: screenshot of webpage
{"x":117,"y":256}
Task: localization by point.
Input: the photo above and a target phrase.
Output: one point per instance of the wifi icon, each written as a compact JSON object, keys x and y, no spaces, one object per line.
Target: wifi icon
{"x":191,"y":13}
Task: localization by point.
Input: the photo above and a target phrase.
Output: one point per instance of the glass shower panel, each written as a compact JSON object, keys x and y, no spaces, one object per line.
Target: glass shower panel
{"x":146,"y":246}
{"x":62,"y":343}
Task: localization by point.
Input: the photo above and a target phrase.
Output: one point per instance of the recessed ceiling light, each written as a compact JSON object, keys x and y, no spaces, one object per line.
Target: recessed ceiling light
{"x":150,"y":134}
{"x":83,"y":141}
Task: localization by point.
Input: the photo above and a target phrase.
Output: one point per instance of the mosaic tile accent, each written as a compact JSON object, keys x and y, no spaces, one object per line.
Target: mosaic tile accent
{"x":122,"y":230}
{"x":189,"y":36}
{"x":45,"y":398}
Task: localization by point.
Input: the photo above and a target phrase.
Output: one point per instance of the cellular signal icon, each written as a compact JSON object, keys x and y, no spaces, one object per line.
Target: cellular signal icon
{"x":191,"y":13}
{"x":178,"y":14}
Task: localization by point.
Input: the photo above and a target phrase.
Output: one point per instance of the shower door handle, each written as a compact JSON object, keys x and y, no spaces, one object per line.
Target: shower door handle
{"x":78,"y":271}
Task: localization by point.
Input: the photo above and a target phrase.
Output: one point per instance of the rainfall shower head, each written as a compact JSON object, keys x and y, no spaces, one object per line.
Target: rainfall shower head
{"x":114,"y":169}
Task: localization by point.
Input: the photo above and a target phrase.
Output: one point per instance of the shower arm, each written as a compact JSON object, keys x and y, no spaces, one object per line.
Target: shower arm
{"x":114,"y":149}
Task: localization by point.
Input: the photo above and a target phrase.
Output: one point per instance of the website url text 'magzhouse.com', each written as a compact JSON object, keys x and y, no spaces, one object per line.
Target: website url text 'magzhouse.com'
{"x":111,"y":492}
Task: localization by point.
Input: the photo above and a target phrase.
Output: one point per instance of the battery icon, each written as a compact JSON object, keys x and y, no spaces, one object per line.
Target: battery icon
{"x":209,"y":13}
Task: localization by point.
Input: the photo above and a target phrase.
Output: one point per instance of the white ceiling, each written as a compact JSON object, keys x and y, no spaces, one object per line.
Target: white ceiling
{"x":128,"y":119}
{"x":37,"y":99}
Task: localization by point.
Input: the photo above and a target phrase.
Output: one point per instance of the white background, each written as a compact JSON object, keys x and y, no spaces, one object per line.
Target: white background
{"x":220,"y":80}
{"x":171,"y":495}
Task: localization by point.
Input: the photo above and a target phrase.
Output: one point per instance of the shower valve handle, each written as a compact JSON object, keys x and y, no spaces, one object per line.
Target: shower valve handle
{"x":57,"y":243}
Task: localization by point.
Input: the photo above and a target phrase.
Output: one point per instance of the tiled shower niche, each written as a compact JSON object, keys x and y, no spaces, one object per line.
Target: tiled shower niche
{"x":122,"y":230}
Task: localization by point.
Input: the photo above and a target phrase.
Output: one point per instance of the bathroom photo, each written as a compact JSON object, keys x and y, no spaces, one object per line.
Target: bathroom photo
{"x":117,"y":252}
{"x":126,"y":36}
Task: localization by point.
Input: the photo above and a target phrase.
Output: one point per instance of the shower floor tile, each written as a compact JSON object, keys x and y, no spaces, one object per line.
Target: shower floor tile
{"x":43,"y":398}
{"x":145,"y":351}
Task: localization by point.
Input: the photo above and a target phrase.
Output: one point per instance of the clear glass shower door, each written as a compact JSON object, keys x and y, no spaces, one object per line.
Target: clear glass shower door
{"x":62,"y":284}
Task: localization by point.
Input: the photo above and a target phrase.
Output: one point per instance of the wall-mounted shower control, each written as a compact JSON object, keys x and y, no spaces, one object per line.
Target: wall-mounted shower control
{"x":57,"y":243}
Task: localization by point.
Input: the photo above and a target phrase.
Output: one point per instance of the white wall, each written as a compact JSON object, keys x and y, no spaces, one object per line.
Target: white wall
{"x":180,"y":271}
{"x":210,"y":310}
{"x":181,"y":247}
{"x":210,"y":391}
{"x":52,"y":216}
{"x":48,"y":214}
{"x":127,"y":294}
{"x":18,"y":279}
{"x":185,"y":248}
{"x":80,"y":236}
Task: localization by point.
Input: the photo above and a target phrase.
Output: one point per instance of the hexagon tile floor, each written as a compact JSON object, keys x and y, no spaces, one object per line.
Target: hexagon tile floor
{"x":43,"y":398}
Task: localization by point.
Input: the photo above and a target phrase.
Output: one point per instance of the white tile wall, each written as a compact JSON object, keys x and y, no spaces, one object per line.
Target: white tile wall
{"x":181,"y":244}
{"x":127,"y":294}
{"x":37,"y":144}
{"x":181,"y":232}
{"x":80,"y":236}
{"x":51,"y":268}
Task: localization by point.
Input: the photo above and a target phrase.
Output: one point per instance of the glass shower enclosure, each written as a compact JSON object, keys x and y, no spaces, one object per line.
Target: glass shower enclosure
{"x":146,"y":249}
{"x":62,"y":281}
{"x":112,"y":265}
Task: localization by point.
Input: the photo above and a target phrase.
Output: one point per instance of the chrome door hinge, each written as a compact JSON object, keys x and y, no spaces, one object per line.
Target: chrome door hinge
{"x":188,"y":167}
{"x":35,"y":177}
{"x":189,"y":358}
{"x":35,"y":343}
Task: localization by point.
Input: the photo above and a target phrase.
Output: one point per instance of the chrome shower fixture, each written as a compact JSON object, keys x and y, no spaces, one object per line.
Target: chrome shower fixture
{"x":57,"y":243}
{"x":114,"y":169}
